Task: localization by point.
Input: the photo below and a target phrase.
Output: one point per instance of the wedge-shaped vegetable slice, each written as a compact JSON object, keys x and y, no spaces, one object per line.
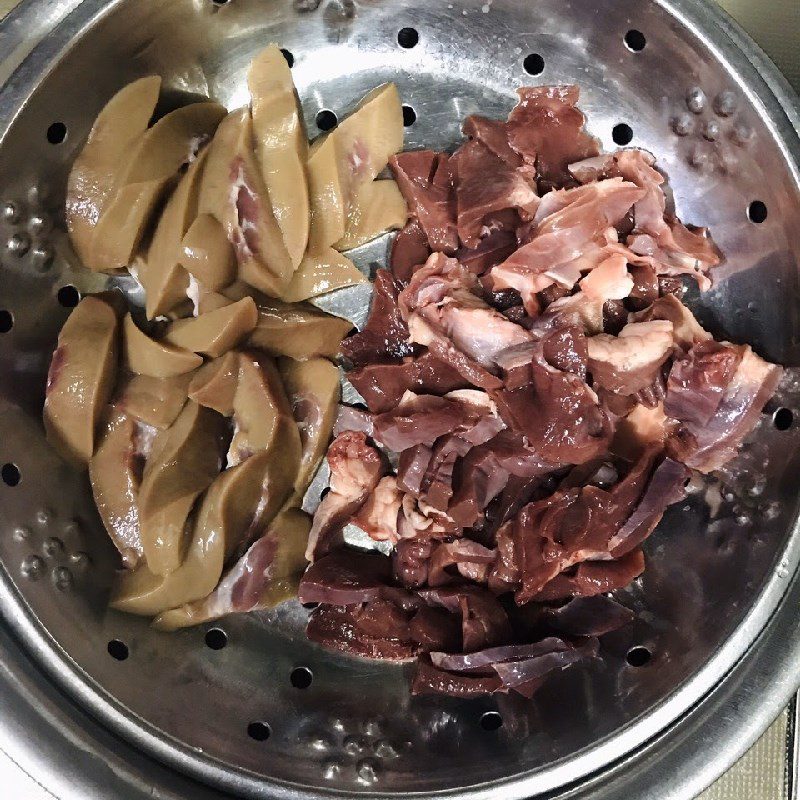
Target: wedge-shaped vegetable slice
{"x":212,"y":301}
{"x":263,"y":423}
{"x":82,"y":374}
{"x":267,"y":574}
{"x":372,"y":133}
{"x":351,"y":155}
{"x":378,"y":207}
{"x":153,"y":168}
{"x":207,"y":253}
{"x":238,"y":290}
{"x":215,"y":332}
{"x":160,"y":272}
{"x":154,"y":401}
{"x":233,"y":192}
{"x":320,"y":273}
{"x":281,"y":147}
{"x":229,"y":507}
{"x":96,"y":170}
{"x":146,"y":356}
{"x":214,"y":384}
{"x":262,"y":415}
{"x":328,"y":189}
{"x":184,"y":461}
{"x":297,"y":330}
{"x":165,"y":535}
{"x":115,"y":471}
{"x":314,"y":390}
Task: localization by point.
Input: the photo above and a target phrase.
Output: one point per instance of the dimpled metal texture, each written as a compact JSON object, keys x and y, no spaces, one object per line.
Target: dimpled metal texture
{"x":231,"y":715}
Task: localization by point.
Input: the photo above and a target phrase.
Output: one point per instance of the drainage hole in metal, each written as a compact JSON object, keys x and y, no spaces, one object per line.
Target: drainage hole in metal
{"x":259,"y":731}
{"x":782,"y":419}
{"x":638,"y":656}
{"x":118,"y":650}
{"x":491,"y":721}
{"x":407,"y":37}
{"x":635,"y":40}
{"x":301,"y":677}
{"x":622,"y":133}
{"x":11,"y":474}
{"x":56,"y":133}
{"x":326,"y":120}
{"x":68,"y":296}
{"x":533,"y":64}
{"x":409,"y":116}
{"x":216,"y":638}
{"x":757,"y":211}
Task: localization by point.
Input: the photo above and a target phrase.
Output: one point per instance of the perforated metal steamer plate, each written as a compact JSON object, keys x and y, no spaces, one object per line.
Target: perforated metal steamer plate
{"x":713,"y":579}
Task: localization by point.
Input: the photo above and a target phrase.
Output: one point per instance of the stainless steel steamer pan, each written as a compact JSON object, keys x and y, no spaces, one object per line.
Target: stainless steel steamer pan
{"x":718,"y":601}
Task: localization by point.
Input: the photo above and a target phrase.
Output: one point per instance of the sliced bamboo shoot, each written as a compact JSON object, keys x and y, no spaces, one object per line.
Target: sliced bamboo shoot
{"x":153,"y":168}
{"x":216,"y":332}
{"x":320,"y":273}
{"x":96,"y":170}
{"x":81,"y":377}
{"x":146,"y":356}
{"x":378,"y":207}
{"x":281,"y":147}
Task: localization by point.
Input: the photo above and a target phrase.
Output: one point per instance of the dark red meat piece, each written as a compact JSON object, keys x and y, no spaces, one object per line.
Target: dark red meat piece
{"x":485,"y":184}
{"x":707,"y":447}
{"x":385,"y":336}
{"x":574,"y":525}
{"x":345,"y":577}
{"x":697,"y":382}
{"x":556,"y":412}
{"x":430,"y":680}
{"x":382,"y":385}
{"x":337,"y":629}
{"x":410,"y":562}
{"x":484,"y":622}
{"x":409,"y":250}
{"x":546,"y":129}
{"x":594,"y":578}
{"x":420,"y":421}
{"x":493,"y":134}
{"x":425,"y":181}
{"x":435,"y":629}
{"x":589,"y":616}
{"x":491,"y":250}
{"x":667,"y":486}
{"x":470,"y":559}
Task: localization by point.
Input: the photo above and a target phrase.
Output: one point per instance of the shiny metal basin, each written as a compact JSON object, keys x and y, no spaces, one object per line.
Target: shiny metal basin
{"x":716,"y":604}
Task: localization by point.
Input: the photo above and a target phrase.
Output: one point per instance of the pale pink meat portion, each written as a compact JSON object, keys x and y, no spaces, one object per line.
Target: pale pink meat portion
{"x":565,"y":226}
{"x":356,"y":468}
{"x":674,"y":249}
{"x":686,"y":330}
{"x":378,"y":516}
{"x":708,"y":446}
{"x":441,"y":295}
{"x":630,"y":361}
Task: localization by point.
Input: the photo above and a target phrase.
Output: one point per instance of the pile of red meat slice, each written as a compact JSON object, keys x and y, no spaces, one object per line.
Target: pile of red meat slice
{"x":541,"y":394}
